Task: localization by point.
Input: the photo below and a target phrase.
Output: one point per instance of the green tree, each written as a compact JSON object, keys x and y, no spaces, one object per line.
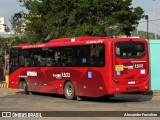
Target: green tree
{"x":69,"y":18}
{"x":18,"y":26}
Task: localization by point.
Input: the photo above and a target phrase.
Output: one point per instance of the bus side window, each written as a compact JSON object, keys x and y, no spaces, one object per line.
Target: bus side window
{"x":57,"y":56}
{"x":97,"y":55}
{"x":25,"y":58}
{"x":49,"y":57}
{"x":27,"y":62}
{"x":124,"y":54}
{"x":21,"y":60}
{"x":69,"y":56}
{"x":63,"y":59}
{"x":92,"y":55}
{"x":14,"y":59}
{"x":101,"y":58}
{"x":42,"y":61}
{"x":84,"y":55}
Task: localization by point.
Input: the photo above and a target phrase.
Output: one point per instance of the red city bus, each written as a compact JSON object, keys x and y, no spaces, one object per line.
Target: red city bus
{"x":81,"y":66}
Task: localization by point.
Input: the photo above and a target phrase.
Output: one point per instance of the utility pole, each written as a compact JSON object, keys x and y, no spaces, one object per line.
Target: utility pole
{"x":155,"y":27}
{"x":146,"y":18}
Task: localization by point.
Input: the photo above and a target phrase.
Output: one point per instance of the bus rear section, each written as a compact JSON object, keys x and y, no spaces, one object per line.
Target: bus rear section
{"x":130,"y":66}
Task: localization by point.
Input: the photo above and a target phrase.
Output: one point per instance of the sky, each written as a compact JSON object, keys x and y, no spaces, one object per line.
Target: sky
{"x":9,"y":7}
{"x":148,"y":6}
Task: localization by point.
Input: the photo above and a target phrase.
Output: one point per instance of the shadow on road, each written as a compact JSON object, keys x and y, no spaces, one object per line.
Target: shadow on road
{"x":135,"y":97}
{"x":118,"y":98}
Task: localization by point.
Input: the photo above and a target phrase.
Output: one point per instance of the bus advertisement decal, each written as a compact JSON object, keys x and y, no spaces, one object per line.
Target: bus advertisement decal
{"x":61,"y":75}
{"x":131,"y":82}
{"x":89,"y":74}
{"x":31,"y":73}
{"x":129,"y":67}
{"x":139,"y":65}
{"x":57,"y":76}
{"x":119,"y":68}
{"x":143,"y":71}
{"x":118,"y":73}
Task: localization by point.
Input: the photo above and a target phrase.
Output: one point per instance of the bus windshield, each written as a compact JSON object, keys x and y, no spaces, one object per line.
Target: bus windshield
{"x":129,"y":49}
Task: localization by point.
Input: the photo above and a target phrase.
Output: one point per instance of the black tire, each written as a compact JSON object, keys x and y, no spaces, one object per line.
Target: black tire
{"x":23,"y":85}
{"x":26,"y":88}
{"x":69,"y":91}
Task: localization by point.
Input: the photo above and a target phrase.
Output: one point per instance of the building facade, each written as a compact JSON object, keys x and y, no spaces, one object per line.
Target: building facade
{"x":2,"y":26}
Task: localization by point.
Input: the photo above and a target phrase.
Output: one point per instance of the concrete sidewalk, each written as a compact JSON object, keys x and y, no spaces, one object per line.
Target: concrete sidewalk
{"x":9,"y":91}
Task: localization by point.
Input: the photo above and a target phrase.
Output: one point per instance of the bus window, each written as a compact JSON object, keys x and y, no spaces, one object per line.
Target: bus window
{"x":21,"y":60}
{"x":84,"y":55}
{"x":129,"y":49}
{"x":50,"y":61}
{"x":57,"y":56}
{"x":68,"y":57}
{"x":25,"y":57}
{"x":97,"y":56}
{"x":140,"y":50}
{"x":14,"y":62}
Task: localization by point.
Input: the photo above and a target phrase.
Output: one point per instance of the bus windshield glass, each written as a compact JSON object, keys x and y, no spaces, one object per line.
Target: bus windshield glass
{"x":129,"y":49}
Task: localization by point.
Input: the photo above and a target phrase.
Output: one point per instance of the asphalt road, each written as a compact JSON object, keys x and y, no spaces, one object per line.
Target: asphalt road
{"x":15,"y":100}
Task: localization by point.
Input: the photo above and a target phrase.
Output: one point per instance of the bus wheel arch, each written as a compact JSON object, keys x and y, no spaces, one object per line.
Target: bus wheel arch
{"x":23,"y":85}
{"x":69,"y":90}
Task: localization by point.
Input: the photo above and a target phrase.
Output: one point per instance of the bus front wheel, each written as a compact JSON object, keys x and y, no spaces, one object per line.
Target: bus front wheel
{"x":69,"y":91}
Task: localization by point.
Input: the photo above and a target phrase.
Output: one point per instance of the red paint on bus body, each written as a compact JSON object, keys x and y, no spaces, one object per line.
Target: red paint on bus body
{"x":117,"y":76}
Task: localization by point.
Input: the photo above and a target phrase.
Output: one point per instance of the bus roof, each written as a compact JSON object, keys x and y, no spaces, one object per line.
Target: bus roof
{"x":71,"y":41}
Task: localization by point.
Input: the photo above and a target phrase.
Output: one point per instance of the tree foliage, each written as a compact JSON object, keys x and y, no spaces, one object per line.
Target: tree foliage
{"x":69,"y":18}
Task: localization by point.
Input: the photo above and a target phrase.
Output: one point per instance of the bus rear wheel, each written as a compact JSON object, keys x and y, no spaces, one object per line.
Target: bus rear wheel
{"x":23,"y":85}
{"x":26,"y":88}
{"x":69,"y":91}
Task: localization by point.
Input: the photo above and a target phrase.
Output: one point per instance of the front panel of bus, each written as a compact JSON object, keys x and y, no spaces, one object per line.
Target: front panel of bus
{"x":130,"y":65}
